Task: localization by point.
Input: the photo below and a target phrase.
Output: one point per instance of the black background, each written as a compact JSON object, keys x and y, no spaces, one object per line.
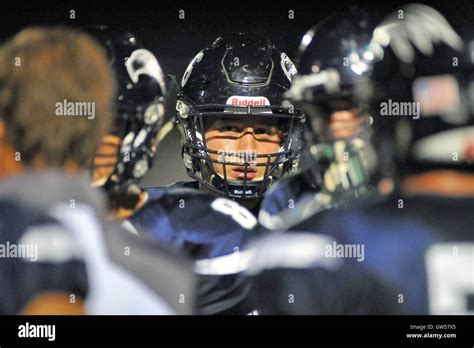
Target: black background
{"x":238,"y":331}
{"x":175,"y":41}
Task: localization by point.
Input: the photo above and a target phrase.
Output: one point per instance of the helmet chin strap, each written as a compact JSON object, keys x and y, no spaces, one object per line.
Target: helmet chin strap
{"x":235,"y":189}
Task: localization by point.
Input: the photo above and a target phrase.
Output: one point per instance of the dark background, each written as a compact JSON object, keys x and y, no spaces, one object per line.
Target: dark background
{"x":176,"y":41}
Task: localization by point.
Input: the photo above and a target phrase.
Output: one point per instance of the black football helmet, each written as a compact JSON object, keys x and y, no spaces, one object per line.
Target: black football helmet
{"x":334,"y":61}
{"x":423,"y":94}
{"x":140,"y":105}
{"x":238,"y":76}
{"x":334,"y":58}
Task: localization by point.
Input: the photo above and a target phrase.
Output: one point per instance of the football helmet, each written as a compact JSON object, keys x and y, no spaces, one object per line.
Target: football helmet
{"x":334,"y":61}
{"x":239,"y":76}
{"x":140,"y":105}
{"x":423,"y":94}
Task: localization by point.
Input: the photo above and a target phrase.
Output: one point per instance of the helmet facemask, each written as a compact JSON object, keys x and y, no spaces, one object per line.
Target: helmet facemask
{"x":340,"y":155}
{"x":216,"y":169}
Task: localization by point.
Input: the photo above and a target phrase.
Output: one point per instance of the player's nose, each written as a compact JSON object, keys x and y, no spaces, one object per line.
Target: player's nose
{"x":248,"y":141}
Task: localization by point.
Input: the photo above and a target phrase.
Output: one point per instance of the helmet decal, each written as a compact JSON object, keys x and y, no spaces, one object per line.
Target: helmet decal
{"x":190,"y":67}
{"x":288,"y":66}
{"x":237,"y":100}
{"x":142,"y":61}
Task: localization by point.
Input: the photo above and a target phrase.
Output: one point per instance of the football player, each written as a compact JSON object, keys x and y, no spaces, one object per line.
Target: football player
{"x":337,"y":163}
{"x":237,"y":136}
{"x":238,"y":139}
{"x":73,"y":261}
{"x":417,"y":240}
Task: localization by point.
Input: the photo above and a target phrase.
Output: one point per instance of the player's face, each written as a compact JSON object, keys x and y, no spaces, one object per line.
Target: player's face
{"x":105,"y":158}
{"x":239,"y":141}
{"x":347,"y":121}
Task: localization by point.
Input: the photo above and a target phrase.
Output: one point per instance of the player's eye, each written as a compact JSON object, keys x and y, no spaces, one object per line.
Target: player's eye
{"x":265,"y":131}
{"x":230,"y":128}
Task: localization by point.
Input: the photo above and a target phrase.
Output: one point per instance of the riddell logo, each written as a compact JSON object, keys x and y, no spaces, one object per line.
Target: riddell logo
{"x":247,"y":101}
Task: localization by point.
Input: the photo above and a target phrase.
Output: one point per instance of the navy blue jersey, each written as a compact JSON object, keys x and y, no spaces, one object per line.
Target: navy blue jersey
{"x":289,"y":201}
{"x":292,"y":274}
{"x":30,"y":260}
{"x":298,"y":197}
{"x":421,"y":246}
{"x":212,"y":231}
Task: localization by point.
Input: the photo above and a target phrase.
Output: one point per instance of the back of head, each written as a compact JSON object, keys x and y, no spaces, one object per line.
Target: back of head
{"x":56,"y":94}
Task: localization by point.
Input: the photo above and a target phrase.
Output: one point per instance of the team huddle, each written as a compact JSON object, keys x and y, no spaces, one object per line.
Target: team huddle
{"x":342,"y":183}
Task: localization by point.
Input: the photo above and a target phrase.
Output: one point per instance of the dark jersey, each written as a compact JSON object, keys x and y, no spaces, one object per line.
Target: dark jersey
{"x":212,"y":231}
{"x":421,"y":247}
{"x":294,"y":273}
{"x":37,"y":254}
{"x":298,"y":197}
{"x":291,"y":200}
